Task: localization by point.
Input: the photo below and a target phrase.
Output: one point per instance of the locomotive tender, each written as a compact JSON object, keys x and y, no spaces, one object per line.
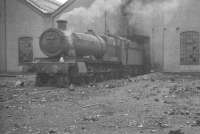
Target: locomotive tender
{"x":85,"y":57}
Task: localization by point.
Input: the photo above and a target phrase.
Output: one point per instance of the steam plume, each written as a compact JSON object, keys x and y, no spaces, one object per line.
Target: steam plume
{"x":140,"y":14}
{"x":146,"y":11}
{"x":87,"y":16}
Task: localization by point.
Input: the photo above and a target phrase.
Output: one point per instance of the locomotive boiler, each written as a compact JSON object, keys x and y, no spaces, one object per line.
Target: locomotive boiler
{"x":85,"y":57}
{"x":55,"y":43}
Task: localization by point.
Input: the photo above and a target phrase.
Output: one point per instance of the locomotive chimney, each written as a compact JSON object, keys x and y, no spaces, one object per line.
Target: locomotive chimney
{"x":90,"y":31}
{"x":62,"y":25}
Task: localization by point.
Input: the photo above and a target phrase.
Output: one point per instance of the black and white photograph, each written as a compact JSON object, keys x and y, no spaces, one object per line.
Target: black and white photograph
{"x":99,"y":66}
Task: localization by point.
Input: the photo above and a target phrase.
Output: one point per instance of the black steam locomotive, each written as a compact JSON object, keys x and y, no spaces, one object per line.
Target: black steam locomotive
{"x":85,"y":57}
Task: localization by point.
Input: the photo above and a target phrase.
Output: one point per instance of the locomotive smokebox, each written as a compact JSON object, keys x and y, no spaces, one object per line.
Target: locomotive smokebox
{"x":53,"y":42}
{"x":62,"y":25}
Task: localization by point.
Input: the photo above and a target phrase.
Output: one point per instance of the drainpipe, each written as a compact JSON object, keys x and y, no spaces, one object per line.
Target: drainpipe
{"x":163,"y":48}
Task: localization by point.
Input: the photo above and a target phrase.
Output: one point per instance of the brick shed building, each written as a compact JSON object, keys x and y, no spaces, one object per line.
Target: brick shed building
{"x":179,"y":39}
{"x":175,"y":36}
{"x":22,"y":22}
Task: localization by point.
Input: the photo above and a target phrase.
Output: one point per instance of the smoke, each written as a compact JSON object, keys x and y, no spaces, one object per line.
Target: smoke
{"x":88,"y":16}
{"x":153,"y":7}
{"x":140,"y":14}
{"x":147,"y":12}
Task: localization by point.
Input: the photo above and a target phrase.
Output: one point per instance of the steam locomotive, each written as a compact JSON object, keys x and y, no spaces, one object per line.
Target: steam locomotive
{"x":85,"y":57}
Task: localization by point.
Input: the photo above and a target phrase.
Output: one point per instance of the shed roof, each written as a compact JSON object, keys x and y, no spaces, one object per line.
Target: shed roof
{"x":47,"y":6}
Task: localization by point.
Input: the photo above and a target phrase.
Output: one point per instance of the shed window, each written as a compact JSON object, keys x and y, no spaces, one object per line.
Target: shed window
{"x":189,"y":48}
{"x":25,"y":49}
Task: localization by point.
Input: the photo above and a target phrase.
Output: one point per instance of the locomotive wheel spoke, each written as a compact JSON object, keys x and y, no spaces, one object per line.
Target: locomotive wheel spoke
{"x":83,"y":80}
{"x":101,"y":77}
{"x":92,"y":79}
{"x":38,"y":82}
{"x":62,"y":81}
{"x":42,"y":79}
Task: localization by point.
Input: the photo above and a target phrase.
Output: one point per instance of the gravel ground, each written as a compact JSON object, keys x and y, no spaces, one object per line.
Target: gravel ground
{"x":155,"y":103}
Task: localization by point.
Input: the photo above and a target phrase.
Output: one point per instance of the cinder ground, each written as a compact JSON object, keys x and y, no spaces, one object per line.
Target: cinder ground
{"x":156,"y":103}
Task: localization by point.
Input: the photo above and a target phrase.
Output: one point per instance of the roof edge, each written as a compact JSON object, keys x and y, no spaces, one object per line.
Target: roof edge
{"x":33,"y":8}
{"x":53,"y":14}
{"x":63,"y":7}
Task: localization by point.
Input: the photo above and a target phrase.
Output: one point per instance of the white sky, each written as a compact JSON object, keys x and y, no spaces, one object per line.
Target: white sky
{"x":62,"y":1}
